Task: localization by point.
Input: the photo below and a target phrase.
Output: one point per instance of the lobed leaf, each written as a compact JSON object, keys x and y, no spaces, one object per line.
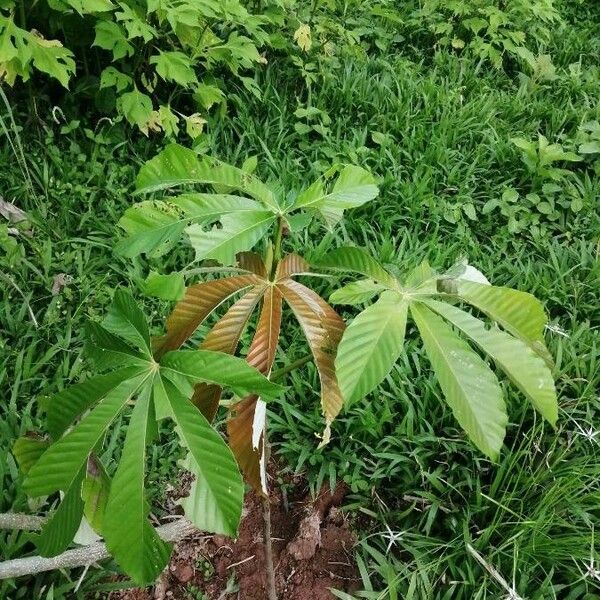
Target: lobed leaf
{"x":216,"y":497}
{"x":129,"y":537}
{"x":520,"y":313}
{"x":469,"y":386}
{"x":526,"y":369}
{"x":220,"y":369}
{"x":370,"y":346}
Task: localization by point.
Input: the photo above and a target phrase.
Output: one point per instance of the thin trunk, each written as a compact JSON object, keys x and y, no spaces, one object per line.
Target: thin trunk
{"x":269,"y":566}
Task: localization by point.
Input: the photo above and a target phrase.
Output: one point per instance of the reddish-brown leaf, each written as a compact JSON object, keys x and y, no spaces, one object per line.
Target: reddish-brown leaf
{"x":199,"y":301}
{"x":224,"y":337}
{"x":251,"y":261}
{"x":291,"y":264}
{"x":246,"y":443}
{"x":323,"y":329}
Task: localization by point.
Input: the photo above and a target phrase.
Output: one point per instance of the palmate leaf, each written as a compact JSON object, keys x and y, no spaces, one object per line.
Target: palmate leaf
{"x":357,"y":292}
{"x":207,"y":208}
{"x":220,"y":369}
{"x":152,"y":228}
{"x":470,"y":387}
{"x":155,"y":390}
{"x":526,"y":369}
{"x":60,"y":529}
{"x":136,"y":546}
{"x":370,"y":346}
{"x":177,"y":165}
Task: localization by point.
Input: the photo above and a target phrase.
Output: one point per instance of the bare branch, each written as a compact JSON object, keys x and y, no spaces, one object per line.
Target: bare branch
{"x":78,"y":557}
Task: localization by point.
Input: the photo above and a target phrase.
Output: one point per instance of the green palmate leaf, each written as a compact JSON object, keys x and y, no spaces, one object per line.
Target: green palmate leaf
{"x":175,"y":66}
{"x":61,"y":527}
{"x":94,"y":493}
{"x":470,"y":388}
{"x":215,"y":500}
{"x":27,"y":451}
{"x":60,"y":464}
{"x":129,"y":536}
{"x":356,"y":260}
{"x":526,"y":369}
{"x":221,"y":369}
{"x":111,"y":36}
{"x":90,"y":6}
{"x":356,"y":292}
{"x":177,"y":165}
{"x":165,"y":287}
{"x":370,"y":346}
{"x":52,"y":58}
{"x":72,"y":402}
{"x":126,"y":320}
{"x":152,"y":228}
{"x":239,"y":232}
{"x":520,"y":313}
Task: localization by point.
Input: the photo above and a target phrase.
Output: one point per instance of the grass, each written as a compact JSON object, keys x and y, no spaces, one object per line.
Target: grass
{"x":437,"y":133}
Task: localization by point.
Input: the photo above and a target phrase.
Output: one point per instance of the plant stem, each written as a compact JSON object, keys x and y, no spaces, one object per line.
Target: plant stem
{"x":268,"y":542}
{"x":276,"y":375}
{"x":277,"y":244}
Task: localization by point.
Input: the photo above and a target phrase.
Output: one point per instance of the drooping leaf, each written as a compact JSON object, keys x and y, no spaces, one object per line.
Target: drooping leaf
{"x":199,"y":301}
{"x":246,"y":425}
{"x":94,"y":493}
{"x":224,"y":337}
{"x":526,"y":369}
{"x":130,"y":538}
{"x":357,"y":292}
{"x":60,"y":464}
{"x":356,"y":260}
{"x":60,"y":529}
{"x":520,"y":313}
{"x":220,"y":369}
{"x":470,"y":388}
{"x":238,"y":232}
{"x":323,"y":329}
{"x":370,"y":346}
{"x":177,"y":165}
{"x":215,"y":500}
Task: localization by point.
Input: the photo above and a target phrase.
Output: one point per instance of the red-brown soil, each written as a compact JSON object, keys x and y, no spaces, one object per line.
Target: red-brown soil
{"x":312,"y":547}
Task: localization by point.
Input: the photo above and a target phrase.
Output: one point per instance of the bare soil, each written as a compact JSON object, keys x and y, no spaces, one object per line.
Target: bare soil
{"x":312,"y":547}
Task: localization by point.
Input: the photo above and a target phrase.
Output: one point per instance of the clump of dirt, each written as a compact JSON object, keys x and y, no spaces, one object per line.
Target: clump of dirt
{"x":312,"y":548}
